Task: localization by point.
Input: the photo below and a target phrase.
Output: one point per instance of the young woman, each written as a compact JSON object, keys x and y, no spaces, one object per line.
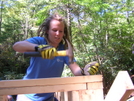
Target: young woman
{"x":52,"y":37}
{"x":52,"y":32}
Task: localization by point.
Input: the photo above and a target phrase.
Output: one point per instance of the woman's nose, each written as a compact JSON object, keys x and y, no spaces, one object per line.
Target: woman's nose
{"x":57,"y":32}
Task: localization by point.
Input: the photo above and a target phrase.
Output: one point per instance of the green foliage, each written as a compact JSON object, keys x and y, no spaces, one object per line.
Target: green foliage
{"x":11,"y":67}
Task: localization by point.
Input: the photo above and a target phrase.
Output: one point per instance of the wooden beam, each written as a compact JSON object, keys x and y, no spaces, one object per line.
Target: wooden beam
{"x":119,"y":86}
{"x":41,"y":89}
{"x":50,"y":81}
{"x":3,"y":98}
{"x":127,"y":94}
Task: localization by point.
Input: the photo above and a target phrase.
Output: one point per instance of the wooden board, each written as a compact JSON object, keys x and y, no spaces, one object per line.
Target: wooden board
{"x":127,"y":93}
{"x":119,"y":87}
{"x":41,"y":89}
{"x":50,"y":81}
{"x":3,"y":98}
{"x":81,"y":88}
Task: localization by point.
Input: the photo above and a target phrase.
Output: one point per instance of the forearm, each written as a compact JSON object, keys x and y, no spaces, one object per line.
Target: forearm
{"x":24,"y":46}
{"x":78,"y":73}
{"x":76,"y":70}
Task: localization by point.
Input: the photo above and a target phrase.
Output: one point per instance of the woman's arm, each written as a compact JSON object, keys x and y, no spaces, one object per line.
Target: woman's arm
{"x":76,"y":70}
{"x":24,"y":46}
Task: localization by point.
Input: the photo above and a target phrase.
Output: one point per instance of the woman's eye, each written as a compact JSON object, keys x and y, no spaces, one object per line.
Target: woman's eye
{"x":54,"y":30}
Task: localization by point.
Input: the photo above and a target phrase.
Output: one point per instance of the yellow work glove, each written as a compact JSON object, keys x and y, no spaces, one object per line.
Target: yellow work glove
{"x":91,"y":68}
{"x":47,"y":52}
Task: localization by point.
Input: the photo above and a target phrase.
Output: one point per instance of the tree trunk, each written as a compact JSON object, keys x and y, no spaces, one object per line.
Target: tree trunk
{"x":1,"y":16}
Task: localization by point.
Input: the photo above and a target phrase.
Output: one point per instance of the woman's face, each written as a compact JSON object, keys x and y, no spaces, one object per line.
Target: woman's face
{"x":55,"y":32}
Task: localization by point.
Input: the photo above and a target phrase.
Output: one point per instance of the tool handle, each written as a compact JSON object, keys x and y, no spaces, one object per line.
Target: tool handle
{"x":31,"y":54}
{"x":37,"y":54}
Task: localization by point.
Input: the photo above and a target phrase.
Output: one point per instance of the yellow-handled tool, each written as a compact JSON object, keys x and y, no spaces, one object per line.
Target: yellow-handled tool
{"x":68,"y":52}
{"x":37,"y":54}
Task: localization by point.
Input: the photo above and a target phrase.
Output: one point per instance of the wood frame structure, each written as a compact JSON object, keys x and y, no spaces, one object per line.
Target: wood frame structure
{"x":79,"y":88}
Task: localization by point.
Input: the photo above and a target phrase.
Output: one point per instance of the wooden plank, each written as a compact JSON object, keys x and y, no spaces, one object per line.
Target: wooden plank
{"x":3,"y":98}
{"x":58,"y":95}
{"x":90,"y":95}
{"x":95,"y":90}
{"x":94,"y":93}
{"x":65,"y":96}
{"x":95,"y":85}
{"x":119,"y":86}
{"x":69,"y":95}
{"x":62,"y":96}
{"x":50,"y":81}
{"x":74,"y":96}
{"x":41,"y":89}
{"x":127,"y":94}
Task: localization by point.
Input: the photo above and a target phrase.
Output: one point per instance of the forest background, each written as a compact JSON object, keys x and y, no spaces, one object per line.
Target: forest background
{"x":101,"y":30}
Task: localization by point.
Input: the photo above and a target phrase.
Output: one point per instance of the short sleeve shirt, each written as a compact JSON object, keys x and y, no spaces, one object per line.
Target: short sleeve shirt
{"x":44,"y":68}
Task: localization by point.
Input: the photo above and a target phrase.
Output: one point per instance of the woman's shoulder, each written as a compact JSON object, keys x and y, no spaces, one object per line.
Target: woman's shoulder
{"x":37,"y":40}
